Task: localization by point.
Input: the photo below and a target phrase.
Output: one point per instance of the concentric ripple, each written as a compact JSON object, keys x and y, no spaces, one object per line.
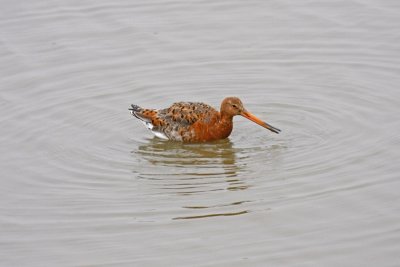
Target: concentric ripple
{"x":85,"y":184}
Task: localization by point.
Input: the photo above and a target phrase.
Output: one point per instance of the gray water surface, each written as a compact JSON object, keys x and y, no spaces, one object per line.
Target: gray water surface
{"x":85,"y":184}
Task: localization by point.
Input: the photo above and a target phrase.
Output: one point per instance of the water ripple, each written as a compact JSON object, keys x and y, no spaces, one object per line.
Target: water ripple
{"x":81,"y":176}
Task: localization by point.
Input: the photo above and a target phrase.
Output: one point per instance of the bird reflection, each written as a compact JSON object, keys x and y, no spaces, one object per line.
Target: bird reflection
{"x":174,"y":154}
{"x":190,"y":161}
{"x":190,"y":169}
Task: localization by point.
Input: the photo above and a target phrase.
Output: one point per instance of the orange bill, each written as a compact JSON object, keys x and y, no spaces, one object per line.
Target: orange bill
{"x":251,"y":117}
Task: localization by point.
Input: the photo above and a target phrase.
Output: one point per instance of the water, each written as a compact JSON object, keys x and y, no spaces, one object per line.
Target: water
{"x":84,"y":184}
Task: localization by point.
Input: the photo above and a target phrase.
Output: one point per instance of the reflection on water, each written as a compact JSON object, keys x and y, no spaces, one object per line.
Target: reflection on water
{"x":190,"y":169}
{"x":211,"y":215}
{"x":195,"y":164}
{"x":214,"y":214}
{"x":170,"y":153}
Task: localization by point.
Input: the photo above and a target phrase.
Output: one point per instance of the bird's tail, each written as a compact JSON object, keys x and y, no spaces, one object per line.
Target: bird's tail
{"x":135,"y":109}
{"x":137,"y":112}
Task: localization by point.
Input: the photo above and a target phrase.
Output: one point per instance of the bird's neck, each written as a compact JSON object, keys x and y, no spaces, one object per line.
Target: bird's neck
{"x":225,"y":124}
{"x":226,"y":118}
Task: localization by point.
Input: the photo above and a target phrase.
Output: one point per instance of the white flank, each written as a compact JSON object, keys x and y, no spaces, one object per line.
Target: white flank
{"x":150,"y":126}
{"x":160,"y":135}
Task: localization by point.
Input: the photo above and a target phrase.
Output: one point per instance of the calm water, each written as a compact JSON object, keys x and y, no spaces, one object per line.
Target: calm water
{"x":84,"y":184}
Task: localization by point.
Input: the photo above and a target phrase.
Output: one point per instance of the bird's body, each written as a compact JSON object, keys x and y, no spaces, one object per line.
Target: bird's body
{"x":195,"y":121}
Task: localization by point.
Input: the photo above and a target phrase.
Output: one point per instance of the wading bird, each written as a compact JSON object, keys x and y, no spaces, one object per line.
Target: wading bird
{"x":194,"y":121}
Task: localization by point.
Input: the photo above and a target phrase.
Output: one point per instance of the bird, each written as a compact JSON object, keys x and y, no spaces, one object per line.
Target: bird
{"x":192,"y":122}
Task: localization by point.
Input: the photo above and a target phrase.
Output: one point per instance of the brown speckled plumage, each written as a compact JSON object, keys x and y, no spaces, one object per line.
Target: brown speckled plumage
{"x":194,"y":121}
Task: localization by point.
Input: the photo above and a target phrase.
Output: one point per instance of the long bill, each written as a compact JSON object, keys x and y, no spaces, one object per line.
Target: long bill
{"x":253,"y":118}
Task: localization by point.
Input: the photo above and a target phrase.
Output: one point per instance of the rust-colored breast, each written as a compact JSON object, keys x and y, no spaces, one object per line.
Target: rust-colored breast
{"x":213,"y":128}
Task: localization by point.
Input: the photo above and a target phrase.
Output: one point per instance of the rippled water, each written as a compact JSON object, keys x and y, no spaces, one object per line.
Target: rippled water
{"x":84,"y":184}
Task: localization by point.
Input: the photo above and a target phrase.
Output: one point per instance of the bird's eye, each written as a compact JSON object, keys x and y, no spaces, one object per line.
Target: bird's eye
{"x":234,"y":106}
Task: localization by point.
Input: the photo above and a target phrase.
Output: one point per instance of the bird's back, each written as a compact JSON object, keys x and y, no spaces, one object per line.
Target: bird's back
{"x":178,"y":122}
